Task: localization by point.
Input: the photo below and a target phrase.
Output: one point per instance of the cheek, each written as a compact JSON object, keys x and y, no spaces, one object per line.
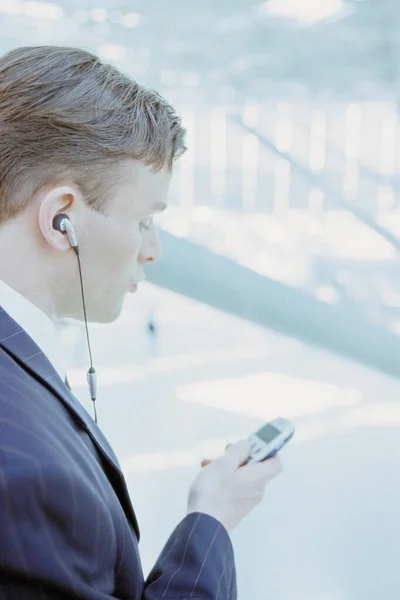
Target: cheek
{"x":126,"y":248}
{"x":114,"y":247}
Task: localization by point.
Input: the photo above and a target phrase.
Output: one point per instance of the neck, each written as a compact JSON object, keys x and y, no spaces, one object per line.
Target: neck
{"x":23,"y":267}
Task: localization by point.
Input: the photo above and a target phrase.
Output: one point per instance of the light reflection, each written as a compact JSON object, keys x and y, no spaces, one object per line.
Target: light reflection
{"x":389,"y":141}
{"x":264,"y":395}
{"x":112,"y":51}
{"x":317,"y":156}
{"x":131,"y":20}
{"x":181,"y":457}
{"x":307,"y":11}
{"x":37,"y":10}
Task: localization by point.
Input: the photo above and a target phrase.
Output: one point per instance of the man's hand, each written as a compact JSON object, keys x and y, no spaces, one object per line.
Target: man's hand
{"x":227,"y":489}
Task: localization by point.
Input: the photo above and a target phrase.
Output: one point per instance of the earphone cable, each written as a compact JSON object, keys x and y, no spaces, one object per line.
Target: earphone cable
{"x":92,"y":372}
{"x":84,"y":309}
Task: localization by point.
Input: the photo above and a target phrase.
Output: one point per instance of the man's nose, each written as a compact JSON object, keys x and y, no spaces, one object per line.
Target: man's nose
{"x":150,"y":250}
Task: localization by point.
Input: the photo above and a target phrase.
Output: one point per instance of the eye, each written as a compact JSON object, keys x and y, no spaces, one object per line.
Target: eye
{"x":145,"y":224}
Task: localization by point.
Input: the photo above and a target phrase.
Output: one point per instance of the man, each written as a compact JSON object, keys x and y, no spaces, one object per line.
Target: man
{"x":79,"y":138}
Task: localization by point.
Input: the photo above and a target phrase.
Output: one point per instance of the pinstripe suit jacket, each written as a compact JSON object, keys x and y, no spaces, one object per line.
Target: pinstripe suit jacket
{"x":68,"y":530}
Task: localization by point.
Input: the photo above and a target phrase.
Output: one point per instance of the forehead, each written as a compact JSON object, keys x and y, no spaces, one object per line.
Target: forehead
{"x":144,"y":185}
{"x":140,"y":190}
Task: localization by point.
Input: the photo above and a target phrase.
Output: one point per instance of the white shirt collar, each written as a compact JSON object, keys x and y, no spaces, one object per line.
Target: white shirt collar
{"x":36,"y":324}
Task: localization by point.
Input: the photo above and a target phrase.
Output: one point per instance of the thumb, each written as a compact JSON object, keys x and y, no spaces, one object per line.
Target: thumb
{"x":237,"y":454}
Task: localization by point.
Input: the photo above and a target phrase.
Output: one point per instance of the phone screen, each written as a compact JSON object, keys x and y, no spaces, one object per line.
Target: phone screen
{"x":268,"y":433}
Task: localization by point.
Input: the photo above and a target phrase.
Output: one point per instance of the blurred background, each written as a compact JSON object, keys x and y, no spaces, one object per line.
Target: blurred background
{"x":279,"y":289}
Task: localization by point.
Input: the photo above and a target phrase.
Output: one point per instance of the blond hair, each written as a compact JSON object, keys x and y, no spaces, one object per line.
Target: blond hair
{"x":65,"y":114}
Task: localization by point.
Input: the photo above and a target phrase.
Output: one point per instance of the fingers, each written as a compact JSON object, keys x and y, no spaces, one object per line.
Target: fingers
{"x":207,"y":461}
{"x":265,"y":470}
{"x":237,"y":454}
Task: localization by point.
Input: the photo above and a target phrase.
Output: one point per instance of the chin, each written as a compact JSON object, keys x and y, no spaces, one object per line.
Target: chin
{"x":109,"y":317}
{"x":101,"y":314}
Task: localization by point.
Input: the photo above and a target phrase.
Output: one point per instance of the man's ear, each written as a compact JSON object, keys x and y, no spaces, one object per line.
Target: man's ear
{"x":57,"y":200}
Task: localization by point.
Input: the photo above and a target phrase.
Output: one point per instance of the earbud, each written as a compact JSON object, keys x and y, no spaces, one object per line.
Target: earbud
{"x":62,"y":224}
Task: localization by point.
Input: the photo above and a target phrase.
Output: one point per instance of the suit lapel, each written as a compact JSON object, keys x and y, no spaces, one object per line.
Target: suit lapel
{"x":20,"y":345}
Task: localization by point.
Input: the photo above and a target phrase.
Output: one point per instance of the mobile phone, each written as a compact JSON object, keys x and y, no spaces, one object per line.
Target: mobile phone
{"x":269,"y":439}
